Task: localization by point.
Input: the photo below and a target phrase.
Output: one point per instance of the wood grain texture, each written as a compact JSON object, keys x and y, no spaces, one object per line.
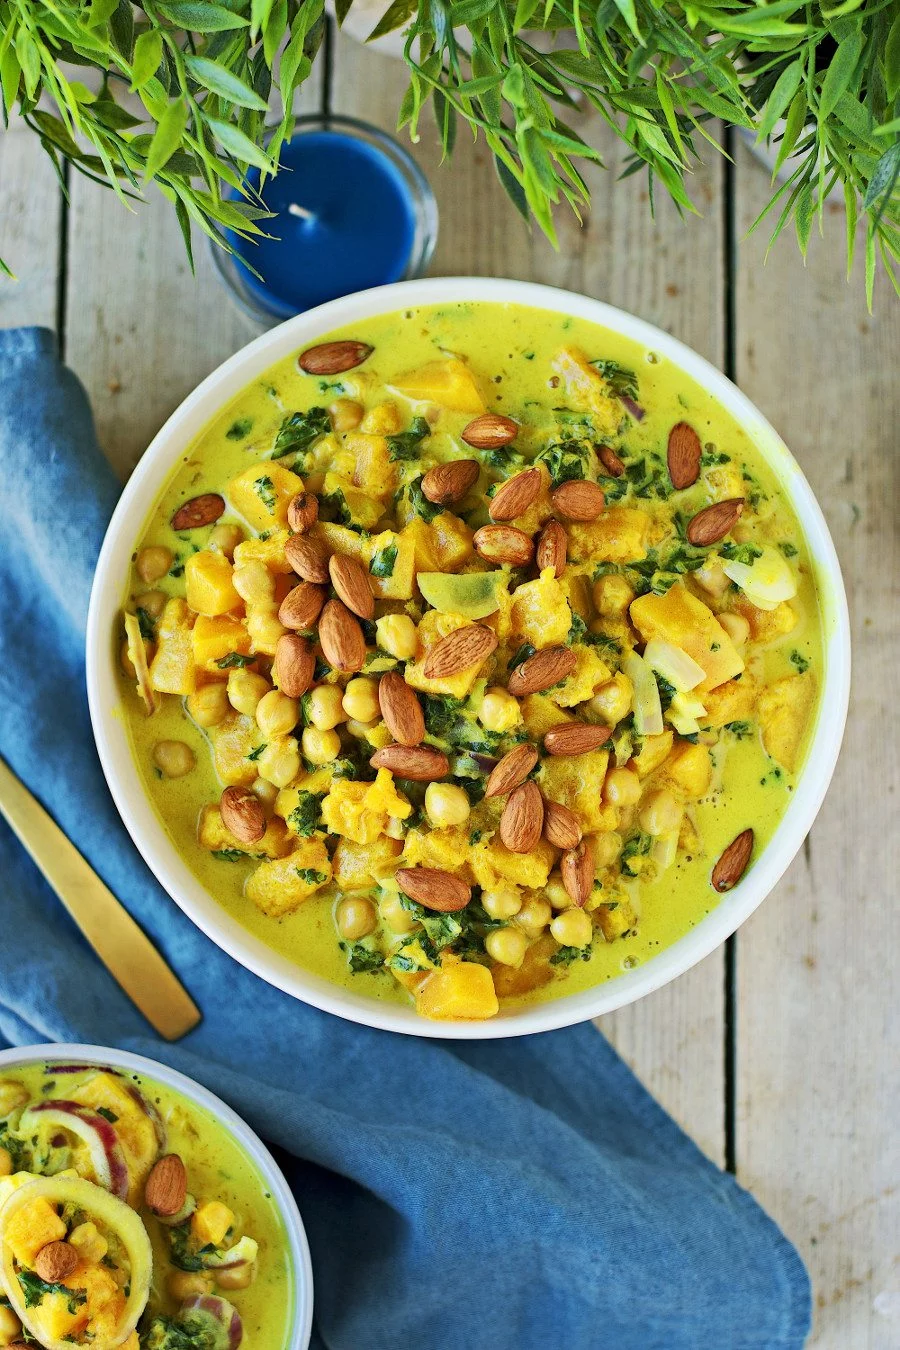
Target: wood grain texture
{"x":818,"y":1094}
{"x":671,"y":274}
{"x":30,"y":211}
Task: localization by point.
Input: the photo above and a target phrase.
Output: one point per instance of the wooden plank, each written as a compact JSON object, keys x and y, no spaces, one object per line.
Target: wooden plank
{"x":671,"y":274}
{"x":818,"y":1099}
{"x":141,"y":331}
{"x":29,"y":230}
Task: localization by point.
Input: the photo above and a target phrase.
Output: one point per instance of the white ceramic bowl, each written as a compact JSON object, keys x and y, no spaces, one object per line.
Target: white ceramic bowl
{"x":147,"y":483}
{"x":94,"y":1055}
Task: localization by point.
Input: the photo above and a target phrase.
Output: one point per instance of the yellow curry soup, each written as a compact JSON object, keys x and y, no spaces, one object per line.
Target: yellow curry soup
{"x":470,"y":655}
{"x":129,"y":1216}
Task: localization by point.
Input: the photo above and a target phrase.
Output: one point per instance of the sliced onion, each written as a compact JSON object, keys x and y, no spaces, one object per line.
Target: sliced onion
{"x":673,"y":664}
{"x":684,"y":711}
{"x":664,"y":850}
{"x":137,"y":655}
{"x":637,"y":412}
{"x":149,"y":1110}
{"x":767,"y":581}
{"x":80,"y":1068}
{"x":486,"y":762}
{"x":648,"y":719}
{"x":107,"y":1156}
{"x":243,"y":1253}
{"x":222,"y":1318}
{"x":114,"y":1215}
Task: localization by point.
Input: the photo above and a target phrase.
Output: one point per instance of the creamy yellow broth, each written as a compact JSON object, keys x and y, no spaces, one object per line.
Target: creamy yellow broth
{"x":217,"y":1169}
{"x":511,"y":351}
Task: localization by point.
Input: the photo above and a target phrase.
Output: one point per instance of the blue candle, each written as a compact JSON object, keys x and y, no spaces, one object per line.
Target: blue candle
{"x":351,"y":210}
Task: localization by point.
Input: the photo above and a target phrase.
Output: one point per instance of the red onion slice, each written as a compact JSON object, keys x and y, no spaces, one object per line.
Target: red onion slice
{"x":637,"y":412}
{"x":219,"y":1315}
{"x":107,"y":1157}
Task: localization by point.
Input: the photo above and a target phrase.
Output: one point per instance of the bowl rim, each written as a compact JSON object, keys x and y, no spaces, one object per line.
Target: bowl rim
{"x":146,"y":829}
{"x":106,"y":1057}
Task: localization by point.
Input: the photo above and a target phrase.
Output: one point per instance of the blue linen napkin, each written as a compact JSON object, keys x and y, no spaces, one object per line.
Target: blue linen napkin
{"x":511,"y":1194}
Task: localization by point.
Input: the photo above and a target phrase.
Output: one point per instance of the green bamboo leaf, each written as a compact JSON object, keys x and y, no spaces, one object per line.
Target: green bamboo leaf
{"x":223,"y":82}
{"x":10,"y":72}
{"x":803,"y":216}
{"x":785,"y":88}
{"x":840,"y":72}
{"x":29,"y":58}
{"x":889,"y":128}
{"x":883,"y":181}
{"x":57,"y":133}
{"x":341,"y":10}
{"x":167,"y":138}
{"x":274,"y":31}
{"x":232,"y":139}
{"x":259,"y":16}
{"x":892,"y":60}
{"x":794,"y":124}
{"x":627,"y":11}
{"x":101,"y":12}
{"x":870,"y":266}
{"x":850,"y":208}
{"x":196,"y":16}
{"x":6,"y":270}
{"x":148,"y":51}
{"x":525,"y":12}
{"x":668,"y":111}
{"x":395,"y":16}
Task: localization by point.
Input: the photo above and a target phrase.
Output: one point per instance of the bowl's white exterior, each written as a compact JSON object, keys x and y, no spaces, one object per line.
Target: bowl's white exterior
{"x":150,"y":478}
{"x":22,"y":1055}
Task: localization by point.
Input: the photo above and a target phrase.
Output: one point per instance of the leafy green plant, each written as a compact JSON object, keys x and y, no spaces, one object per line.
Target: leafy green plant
{"x":821,"y":81}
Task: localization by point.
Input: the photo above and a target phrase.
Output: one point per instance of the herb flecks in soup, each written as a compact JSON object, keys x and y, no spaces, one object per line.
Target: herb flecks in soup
{"x":478,"y":649}
{"x":128,"y":1217}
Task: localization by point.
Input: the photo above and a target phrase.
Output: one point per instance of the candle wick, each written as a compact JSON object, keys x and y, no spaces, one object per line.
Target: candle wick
{"x":295,"y":210}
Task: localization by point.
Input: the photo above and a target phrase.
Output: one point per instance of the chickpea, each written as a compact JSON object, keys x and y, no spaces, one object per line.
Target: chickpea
{"x":736,"y":626}
{"x":534,"y":916}
{"x":266,"y":792}
{"x":10,"y":1326}
{"x":345,"y":413}
{"x":506,"y":945}
{"x":279,"y":763}
{"x":238,"y":1277}
{"x":325,"y":709}
{"x":89,"y":1243}
{"x":253,"y":582}
{"x":320,"y":747}
{"x":383,"y":420}
{"x":502,"y":903}
{"x":612,"y":595}
{"x":622,"y":788}
{"x":397,"y":635}
{"x":572,"y":928}
{"x":446,"y":804}
{"x":355,"y":917}
{"x":712,"y":578}
{"x":265,"y":628}
{"x":225,"y":539}
{"x":184,"y":1284}
{"x":607,"y":848}
{"x":173,"y":758}
{"x":154,"y":602}
{"x":6,"y":1163}
{"x":153,"y":563}
{"x":397,"y":918}
{"x":612,"y":700}
{"x":276,"y":714}
{"x":556,"y":892}
{"x":499,"y":710}
{"x":209,"y":704}
{"x":660,"y":813}
{"x":361,"y":730}
{"x":245,"y":689}
{"x":361,"y":700}
{"x":126,"y":662}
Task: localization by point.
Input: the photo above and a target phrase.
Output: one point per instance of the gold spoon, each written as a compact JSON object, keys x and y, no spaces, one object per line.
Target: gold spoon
{"x":122,"y":946}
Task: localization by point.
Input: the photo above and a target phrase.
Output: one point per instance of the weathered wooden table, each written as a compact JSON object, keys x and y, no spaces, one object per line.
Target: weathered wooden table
{"x":779,"y":1055}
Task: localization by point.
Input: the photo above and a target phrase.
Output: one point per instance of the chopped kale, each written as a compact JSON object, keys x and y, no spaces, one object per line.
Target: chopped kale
{"x":742,"y":553}
{"x":310,"y":876}
{"x":234,"y":660}
{"x":105,"y":1112}
{"x":622,"y":380}
{"x":300,"y":430}
{"x":442,"y":929}
{"x":321,"y":669}
{"x":181,"y":1253}
{"x":710,"y":458}
{"x":305,"y":815}
{"x":649,"y":477}
{"x":255,"y":754}
{"x":362,"y":958}
{"x":265,"y":491}
{"x":240,"y":430}
{"x":382,"y":564}
{"x":228,"y":854}
{"x":504,"y":458}
{"x":523,"y":654}
{"x":566,"y":955}
{"x":405,"y":445}
{"x":36,"y":1290}
{"x":177,"y":568}
{"x":566,"y":460}
{"x":420,"y":503}
{"x":788,"y":549}
{"x":740,"y":730}
{"x":146,"y":625}
{"x":636,"y":847}
{"x":801,"y":662}
{"x":441,"y":714}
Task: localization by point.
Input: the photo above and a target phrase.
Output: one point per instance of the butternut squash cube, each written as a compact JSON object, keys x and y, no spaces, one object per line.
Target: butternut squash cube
{"x":620,"y":535}
{"x":364,"y":510}
{"x":447,"y":849}
{"x":375,"y":471}
{"x":784,"y":709}
{"x":208,"y":585}
{"x":588,"y":391}
{"x":261,"y":494}
{"x":768,"y":625}
{"x":355,"y":865}
{"x":577,"y":782}
{"x":464,"y":991}
{"x":615,"y":918}
{"x":540,"y":611}
{"x":449,"y":383}
{"x":688,"y":770}
{"x":233,"y":740}
{"x":172,"y":670}
{"x":732,"y":701}
{"x":654,"y":751}
{"x":493,"y":864}
{"x":214,"y":835}
{"x":540,"y":714}
{"x":590,"y":672}
{"x":211,"y":1222}
{"x":679,"y":617}
{"x":433,"y":627}
{"x":36,"y":1224}
{"x":212,"y":639}
{"x":269,"y":551}
{"x":282,"y":885}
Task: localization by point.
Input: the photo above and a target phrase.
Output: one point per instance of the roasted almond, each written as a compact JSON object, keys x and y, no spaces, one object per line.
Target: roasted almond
{"x":434,"y":889}
{"x":242,"y":814}
{"x":351,"y":581}
{"x":683,"y":455}
{"x":303,"y":512}
{"x":459,"y":650}
{"x":56,"y":1262}
{"x":302,"y":606}
{"x":577,"y":870}
{"x":523,"y":818}
{"x":165,"y":1190}
{"x":330,"y":358}
{"x":552,"y":548}
{"x":448,"y":483}
{"x":294,"y":665}
{"x":418,"y":763}
{"x":514,"y":497}
{"x":490,"y":431}
{"x":611,"y":462}
{"x":308,"y":559}
{"x":341,"y":636}
{"x":513,"y":769}
{"x":401,"y":710}
{"x":504,"y":544}
{"x":562,"y":828}
{"x":579,"y":499}
{"x":714,"y":522}
{"x":575,"y":738}
{"x":203,"y":510}
{"x":541,"y":671}
{"x":733,"y":862}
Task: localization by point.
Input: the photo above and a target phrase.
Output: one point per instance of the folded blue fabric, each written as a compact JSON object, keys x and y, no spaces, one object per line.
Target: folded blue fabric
{"x":510,"y":1194}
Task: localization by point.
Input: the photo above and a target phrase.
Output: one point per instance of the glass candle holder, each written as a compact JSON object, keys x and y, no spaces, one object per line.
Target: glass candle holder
{"x":351,"y":210}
